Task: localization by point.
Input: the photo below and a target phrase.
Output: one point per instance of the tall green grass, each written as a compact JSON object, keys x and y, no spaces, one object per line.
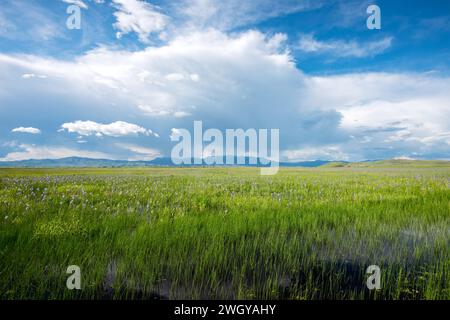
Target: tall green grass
{"x":225,"y":233}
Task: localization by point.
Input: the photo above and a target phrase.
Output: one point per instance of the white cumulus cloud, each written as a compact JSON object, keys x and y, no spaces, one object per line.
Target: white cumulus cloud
{"x":247,"y":80}
{"x":115,"y":129}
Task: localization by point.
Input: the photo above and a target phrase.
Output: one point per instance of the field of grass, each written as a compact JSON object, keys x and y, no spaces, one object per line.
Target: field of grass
{"x":225,"y":233}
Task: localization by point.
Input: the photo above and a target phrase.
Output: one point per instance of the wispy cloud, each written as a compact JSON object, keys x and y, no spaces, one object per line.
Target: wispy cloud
{"x":316,"y":153}
{"x":78,"y":3}
{"x":230,"y":14}
{"x":50,"y":152}
{"x":32,"y":75}
{"x":139,"y":17}
{"x":27,"y":21}
{"x":342,"y":48}
{"x":26,"y":130}
{"x":141,"y":153}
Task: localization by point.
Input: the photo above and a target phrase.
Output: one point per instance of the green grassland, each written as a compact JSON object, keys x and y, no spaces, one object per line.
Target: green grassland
{"x":142,"y":233}
{"x":402,"y":164}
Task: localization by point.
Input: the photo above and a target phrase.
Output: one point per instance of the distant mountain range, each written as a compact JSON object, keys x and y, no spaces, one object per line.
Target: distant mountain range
{"x":167,"y":162}
{"x":162,"y":162}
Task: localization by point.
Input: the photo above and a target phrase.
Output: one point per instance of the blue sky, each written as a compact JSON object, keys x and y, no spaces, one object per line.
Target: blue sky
{"x":136,"y":70}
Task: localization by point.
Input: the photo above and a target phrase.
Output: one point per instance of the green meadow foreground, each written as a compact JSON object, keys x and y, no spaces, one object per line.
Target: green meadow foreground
{"x":225,"y":233}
